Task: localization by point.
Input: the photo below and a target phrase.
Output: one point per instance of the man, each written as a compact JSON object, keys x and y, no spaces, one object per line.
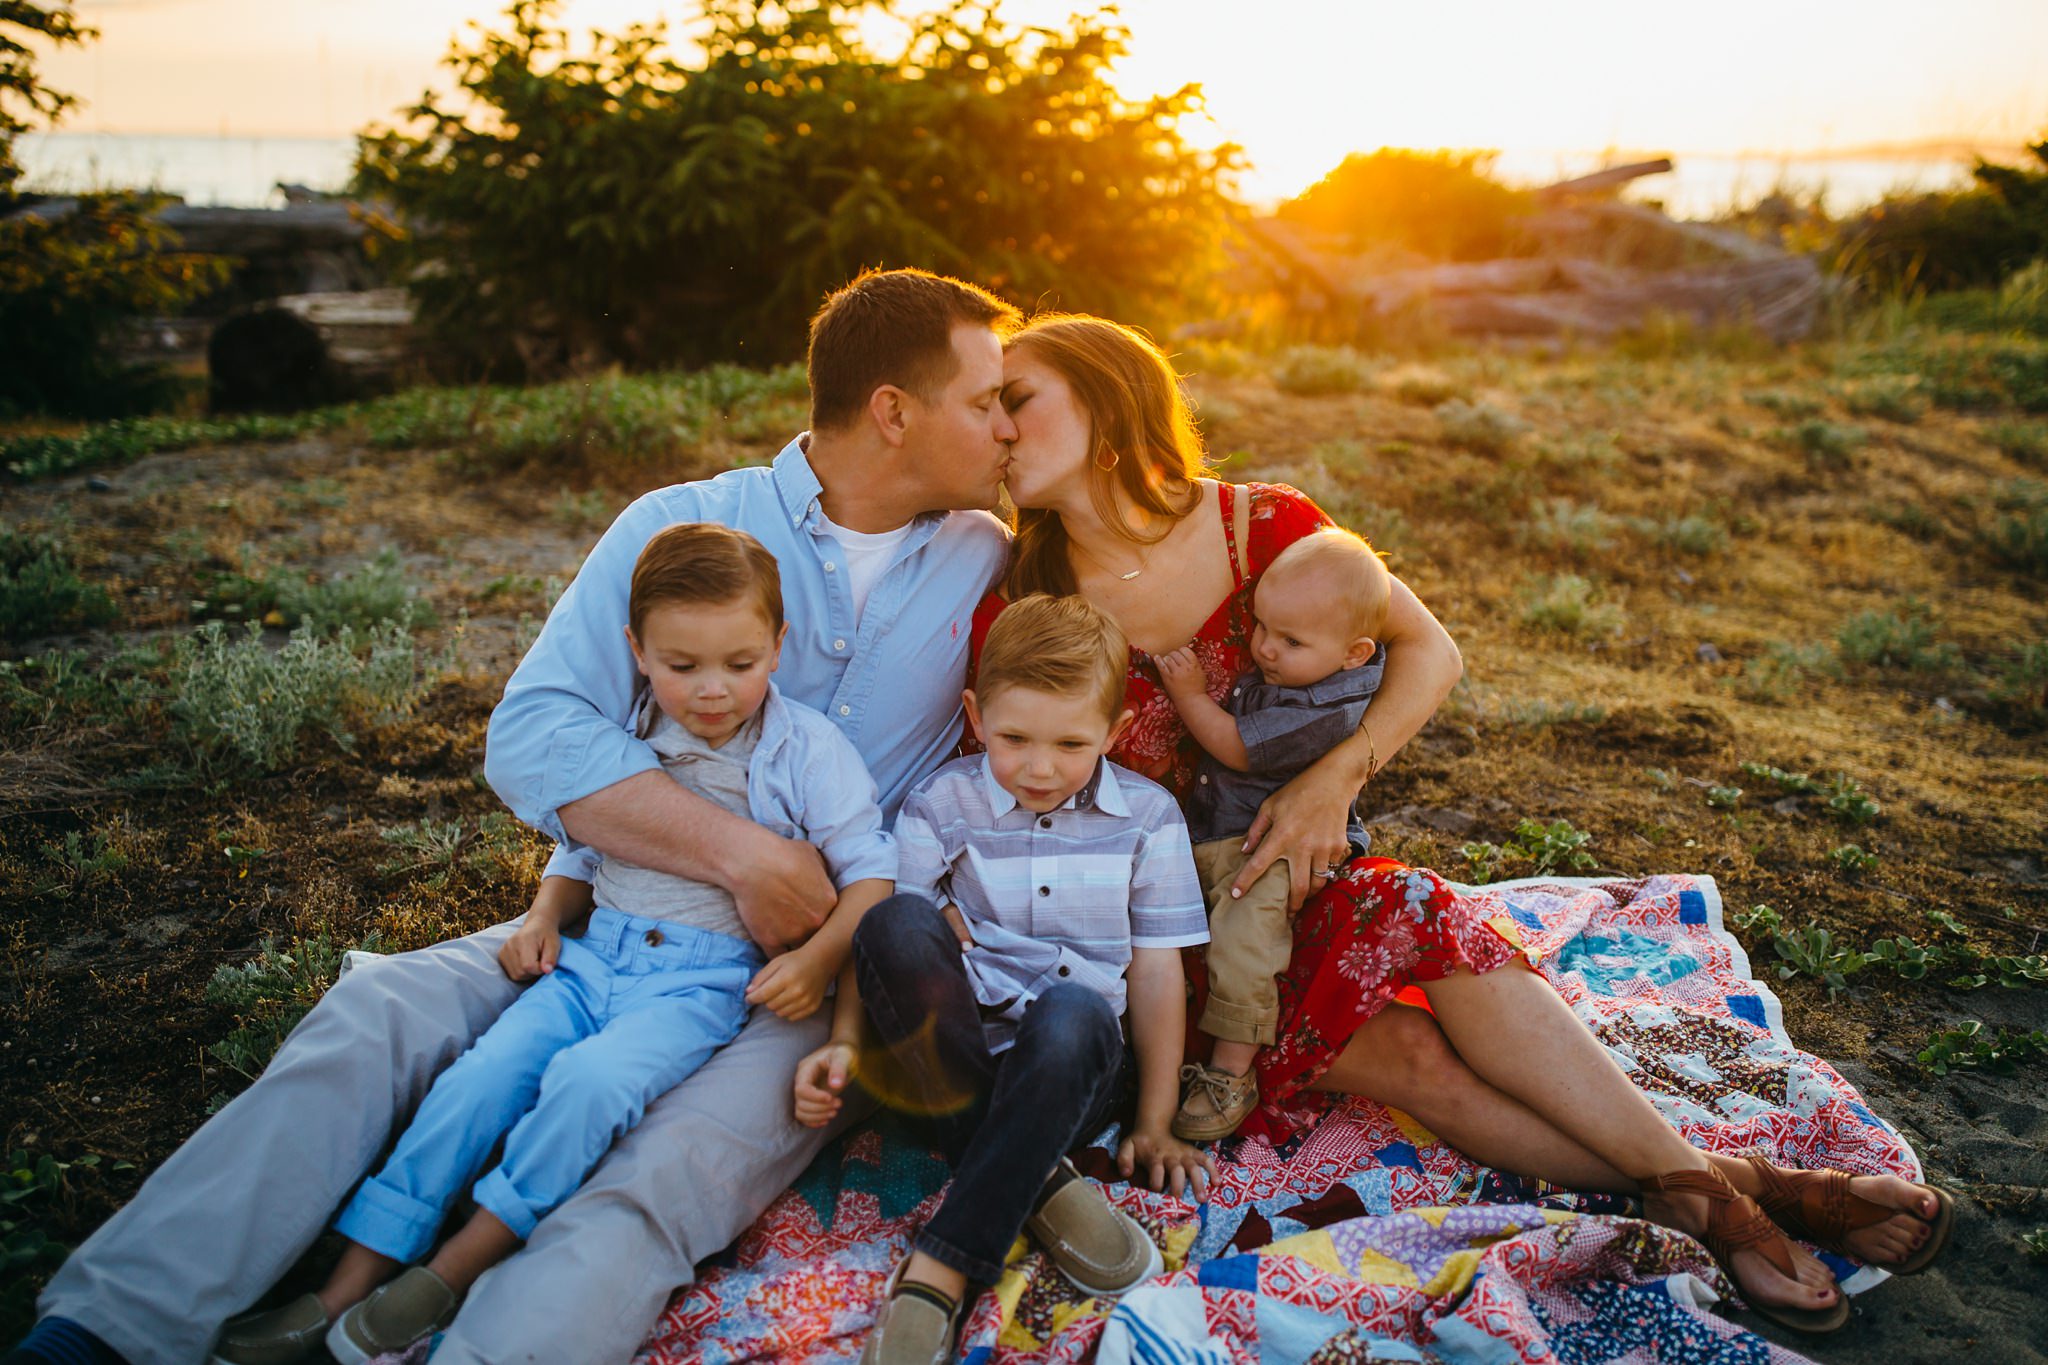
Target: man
{"x":879,"y":526}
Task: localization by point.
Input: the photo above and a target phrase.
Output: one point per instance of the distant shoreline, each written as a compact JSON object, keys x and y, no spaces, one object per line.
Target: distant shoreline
{"x":243,"y":169}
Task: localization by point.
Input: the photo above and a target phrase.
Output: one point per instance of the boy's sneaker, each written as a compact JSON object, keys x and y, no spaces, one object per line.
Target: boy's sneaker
{"x":278,"y":1336}
{"x":913,"y":1327}
{"x":417,"y":1304}
{"x":1097,"y":1246}
{"x":1213,"y":1103}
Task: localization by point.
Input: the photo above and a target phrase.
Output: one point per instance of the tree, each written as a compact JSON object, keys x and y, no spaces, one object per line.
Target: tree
{"x":24,"y":99}
{"x":626,"y":206}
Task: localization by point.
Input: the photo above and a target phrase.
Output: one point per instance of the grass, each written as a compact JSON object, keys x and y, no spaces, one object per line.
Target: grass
{"x":40,"y":590}
{"x":1318,"y":371}
{"x":1580,"y":545}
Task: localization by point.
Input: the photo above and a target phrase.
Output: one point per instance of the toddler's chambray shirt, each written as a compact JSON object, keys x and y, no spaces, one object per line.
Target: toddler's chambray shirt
{"x":891,"y":684}
{"x":1284,"y":729}
{"x":1059,"y":896}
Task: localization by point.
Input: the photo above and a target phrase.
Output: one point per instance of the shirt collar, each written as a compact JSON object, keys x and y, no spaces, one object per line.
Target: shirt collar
{"x":799,"y":487}
{"x":1101,"y":792}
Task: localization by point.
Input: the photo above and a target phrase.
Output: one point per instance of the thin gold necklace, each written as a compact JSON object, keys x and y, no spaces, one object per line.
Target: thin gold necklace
{"x":1143,"y":559}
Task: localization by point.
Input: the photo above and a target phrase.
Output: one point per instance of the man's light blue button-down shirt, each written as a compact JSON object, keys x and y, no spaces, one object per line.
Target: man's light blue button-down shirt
{"x":891,"y":681}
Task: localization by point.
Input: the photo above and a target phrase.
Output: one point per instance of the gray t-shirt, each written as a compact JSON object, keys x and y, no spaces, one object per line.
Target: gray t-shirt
{"x":718,"y":775}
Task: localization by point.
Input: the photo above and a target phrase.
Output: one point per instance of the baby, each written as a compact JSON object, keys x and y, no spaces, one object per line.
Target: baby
{"x":661,"y":977}
{"x":1318,"y":606}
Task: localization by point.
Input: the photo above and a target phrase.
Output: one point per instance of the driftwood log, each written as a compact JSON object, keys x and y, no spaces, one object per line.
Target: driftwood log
{"x":306,"y":349}
{"x":1598,"y":268}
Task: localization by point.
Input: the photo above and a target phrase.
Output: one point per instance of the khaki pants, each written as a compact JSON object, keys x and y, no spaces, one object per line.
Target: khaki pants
{"x":228,"y":1213}
{"x":1250,"y":940}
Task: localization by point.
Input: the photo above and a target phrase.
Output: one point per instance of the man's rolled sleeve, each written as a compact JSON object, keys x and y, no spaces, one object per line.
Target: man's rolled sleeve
{"x":562,"y":730}
{"x":843,"y":812}
{"x":577,"y":862}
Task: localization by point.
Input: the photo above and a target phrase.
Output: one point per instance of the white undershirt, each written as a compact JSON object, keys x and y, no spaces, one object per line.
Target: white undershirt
{"x":867,"y":554}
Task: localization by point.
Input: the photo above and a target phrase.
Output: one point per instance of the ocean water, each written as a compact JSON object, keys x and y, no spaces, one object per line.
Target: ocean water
{"x":245,"y":171}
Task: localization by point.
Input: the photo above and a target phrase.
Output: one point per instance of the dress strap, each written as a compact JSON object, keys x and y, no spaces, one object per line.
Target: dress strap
{"x":1226,"y":498}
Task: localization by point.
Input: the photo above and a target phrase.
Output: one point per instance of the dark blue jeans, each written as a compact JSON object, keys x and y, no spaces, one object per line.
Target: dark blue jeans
{"x":1003,"y":1120}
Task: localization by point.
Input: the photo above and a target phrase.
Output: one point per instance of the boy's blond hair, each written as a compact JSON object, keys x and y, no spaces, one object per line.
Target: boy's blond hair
{"x":1061,"y":645}
{"x":704,"y":562}
{"x":1352,"y":568}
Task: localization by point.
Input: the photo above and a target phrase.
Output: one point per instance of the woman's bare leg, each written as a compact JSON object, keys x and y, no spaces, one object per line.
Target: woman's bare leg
{"x":1401,"y":1058}
{"x":1520,"y":1036}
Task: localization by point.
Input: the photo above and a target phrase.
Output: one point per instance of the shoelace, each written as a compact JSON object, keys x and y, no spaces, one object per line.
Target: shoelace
{"x":1222,"y":1088}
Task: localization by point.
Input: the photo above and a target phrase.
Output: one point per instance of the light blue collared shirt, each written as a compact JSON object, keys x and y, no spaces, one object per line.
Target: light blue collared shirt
{"x":891,"y":683}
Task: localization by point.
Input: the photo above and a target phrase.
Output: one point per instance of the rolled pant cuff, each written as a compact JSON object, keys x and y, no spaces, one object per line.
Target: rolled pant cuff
{"x":495,"y":1195}
{"x":1239,"y":1024}
{"x":389,"y":1222}
{"x":946,"y":1254}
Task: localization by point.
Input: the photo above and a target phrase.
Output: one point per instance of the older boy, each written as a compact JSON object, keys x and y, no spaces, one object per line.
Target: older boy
{"x":1069,"y":877}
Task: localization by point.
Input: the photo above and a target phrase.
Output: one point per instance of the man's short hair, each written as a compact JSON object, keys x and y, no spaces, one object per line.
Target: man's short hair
{"x":1353,"y":569}
{"x":704,"y":562}
{"x":891,"y":327}
{"x":1062,"y":645}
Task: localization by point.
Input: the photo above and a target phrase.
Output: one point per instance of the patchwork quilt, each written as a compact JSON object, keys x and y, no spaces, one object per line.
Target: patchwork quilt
{"x":1366,"y":1238}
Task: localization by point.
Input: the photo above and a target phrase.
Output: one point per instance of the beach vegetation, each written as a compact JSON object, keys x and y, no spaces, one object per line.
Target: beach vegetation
{"x":1569,"y":605}
{"x":1970,"y":1047}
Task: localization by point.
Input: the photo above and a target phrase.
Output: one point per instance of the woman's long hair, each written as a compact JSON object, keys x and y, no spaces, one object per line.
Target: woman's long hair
{"x":1141,"y":426}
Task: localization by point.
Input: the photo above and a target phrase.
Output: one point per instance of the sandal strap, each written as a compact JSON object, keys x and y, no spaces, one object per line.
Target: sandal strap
{"x":1735,"y":1222}
{"x":1815,"y":1205}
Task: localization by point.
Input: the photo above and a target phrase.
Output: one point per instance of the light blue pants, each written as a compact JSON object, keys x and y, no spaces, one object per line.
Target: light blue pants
{"x":632,"y":1009}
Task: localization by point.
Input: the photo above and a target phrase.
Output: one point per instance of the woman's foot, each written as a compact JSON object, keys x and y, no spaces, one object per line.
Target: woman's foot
{"x":1780,"y":1280}
{"x":1885,"y":1220}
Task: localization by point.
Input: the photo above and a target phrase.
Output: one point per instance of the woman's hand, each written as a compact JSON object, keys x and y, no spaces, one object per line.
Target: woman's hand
{"x":792,"y":985}
{"x":532,"y":951}
{"x":820,"y":1081}
{"x":1180,"y":673}
{"x":1169,"y":1164}
{"x":1305,"y":823}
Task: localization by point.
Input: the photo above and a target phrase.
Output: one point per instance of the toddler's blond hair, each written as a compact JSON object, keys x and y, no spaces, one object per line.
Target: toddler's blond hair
{"x":1062,"y":645}
{"x":1351,"y":568}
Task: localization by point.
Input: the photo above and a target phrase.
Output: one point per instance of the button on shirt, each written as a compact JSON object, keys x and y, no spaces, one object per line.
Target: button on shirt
{"x":1285,"y":730}
{"x":564,"y":727}
{"x":1063,"y":895}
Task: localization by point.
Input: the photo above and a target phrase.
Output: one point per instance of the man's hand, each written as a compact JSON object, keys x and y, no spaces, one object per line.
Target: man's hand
{"x":1165,"y":1158}
{"x":820,"y":1081}
{"x":532,"y":951}
{"x":779,"y":886}
{"x":1305,"y":823}
{"x":793,"y":985}
{"x":1180,"y":672}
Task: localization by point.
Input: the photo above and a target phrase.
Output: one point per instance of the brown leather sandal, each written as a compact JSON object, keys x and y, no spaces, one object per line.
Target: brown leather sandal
{"x":1818,"y":1206}
{"x":1736,"y":1223}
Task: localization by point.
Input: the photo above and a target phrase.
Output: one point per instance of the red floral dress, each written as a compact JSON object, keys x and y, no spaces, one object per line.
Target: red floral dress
{"x":1368,"y":936}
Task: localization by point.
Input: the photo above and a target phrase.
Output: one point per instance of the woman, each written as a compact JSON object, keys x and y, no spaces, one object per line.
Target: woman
{"x":1107,"y":474}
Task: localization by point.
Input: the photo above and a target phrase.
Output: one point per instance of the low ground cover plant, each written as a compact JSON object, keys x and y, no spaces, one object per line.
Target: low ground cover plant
{"x":40,"y":590}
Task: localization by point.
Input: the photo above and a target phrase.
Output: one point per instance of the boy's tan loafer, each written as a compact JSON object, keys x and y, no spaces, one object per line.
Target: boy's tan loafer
{"x":1096,"y":1245}
{"x":910,"y":1328}
{"x":417,"y":1304}
{"x":277,"y":1336}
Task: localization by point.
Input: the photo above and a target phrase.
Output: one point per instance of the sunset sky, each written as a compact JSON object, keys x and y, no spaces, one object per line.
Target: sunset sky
{"x":1297,"y":82}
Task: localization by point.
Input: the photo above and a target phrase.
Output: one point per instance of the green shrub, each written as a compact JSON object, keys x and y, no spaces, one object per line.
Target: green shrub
{"x":40,"y":590}
{"x":1316,"y":370}
{"x":2023,"y":680}
{"x":1968,"y":1047}
{"x":83,"y":859}
{"x":269,"y":994}
{"x":1903,"y":639}
{"x":1578,"y":528}
{"x":2019,"y":538}
{"x":1786,"y":404}
{"x":69,"y":283}
{"x":1444,"y":205}
{"x":1852,"y":860}
{"x":2026,"y":442}
{"x":1692,"y":535}
{"x":1814,"y":952}
{"x":1888,"y":397}
{"x":1479,"y":426}
{"x":1570,"y":605}
{"x":238,"y":704}
{"x":46,"y":456}
{"x":1556,"y":847}
{"x":439,"y":847}
{"x":1824,"y":443}
{"x":1426,"y":388}
{"x":1772,"y":675}
{"x":618,"y":202}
